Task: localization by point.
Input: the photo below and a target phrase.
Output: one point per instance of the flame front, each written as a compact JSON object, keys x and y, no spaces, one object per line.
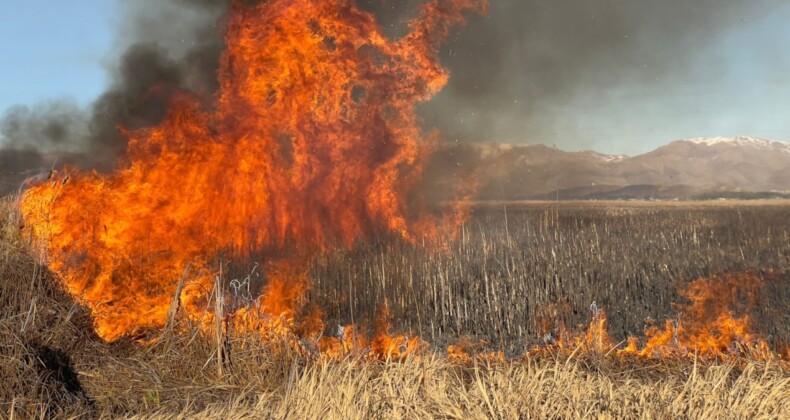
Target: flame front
{"x":311,"y":141}
{"x":706,"y":326}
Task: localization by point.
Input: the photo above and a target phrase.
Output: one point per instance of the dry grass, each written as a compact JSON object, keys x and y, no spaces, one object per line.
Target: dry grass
{"x":432,"y":388}
{"x":52,"y":365}
{"x":507,"y":278}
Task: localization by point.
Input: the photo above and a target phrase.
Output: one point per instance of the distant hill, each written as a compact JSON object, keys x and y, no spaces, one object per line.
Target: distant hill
{"x":739,"y":167}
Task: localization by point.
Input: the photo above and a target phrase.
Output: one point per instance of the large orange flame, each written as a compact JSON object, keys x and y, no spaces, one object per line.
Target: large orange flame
{"x":312,"y":141}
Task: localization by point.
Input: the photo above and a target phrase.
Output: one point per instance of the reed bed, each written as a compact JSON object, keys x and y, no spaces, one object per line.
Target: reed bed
{"x":498,"y":282}
{"x":516,"y":271}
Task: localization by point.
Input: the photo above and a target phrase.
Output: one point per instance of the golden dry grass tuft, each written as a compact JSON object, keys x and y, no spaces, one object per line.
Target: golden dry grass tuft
{"x":432,"y":388}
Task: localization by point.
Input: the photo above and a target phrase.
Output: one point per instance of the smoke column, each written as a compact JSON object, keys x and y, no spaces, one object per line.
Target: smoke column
{"x":165,"y":45}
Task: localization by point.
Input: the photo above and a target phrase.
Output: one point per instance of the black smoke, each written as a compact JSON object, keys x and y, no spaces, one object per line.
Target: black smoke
{"x":527,"y":57}
{"x":165,"y":45}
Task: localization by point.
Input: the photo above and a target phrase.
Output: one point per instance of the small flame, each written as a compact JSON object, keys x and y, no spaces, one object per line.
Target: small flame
{"x":705,"y":328}
{"x":707,"y":325}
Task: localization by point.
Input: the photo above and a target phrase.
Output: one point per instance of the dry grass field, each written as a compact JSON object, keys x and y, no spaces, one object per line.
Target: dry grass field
{"x":286,"y":233}
{"x":517,"y":267}
{"x":512,"y":276}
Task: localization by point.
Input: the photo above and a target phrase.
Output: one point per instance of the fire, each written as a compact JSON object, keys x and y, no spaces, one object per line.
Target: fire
{"x":384,"y":345}
{"x":706,"y":327}
{"x":312,"y":141}
{"x":470,"y":351}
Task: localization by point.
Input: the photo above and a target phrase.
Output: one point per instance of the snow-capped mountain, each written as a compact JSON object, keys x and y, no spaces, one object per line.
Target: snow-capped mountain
{"x":743,"y":141}
{"x":681,"y":169}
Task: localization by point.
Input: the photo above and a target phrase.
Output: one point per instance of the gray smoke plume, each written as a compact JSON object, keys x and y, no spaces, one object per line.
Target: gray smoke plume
{"x":508,"y":68}
{"x":164,"y":45}
{"x":511,"y":68}
{"x":50,"y":126}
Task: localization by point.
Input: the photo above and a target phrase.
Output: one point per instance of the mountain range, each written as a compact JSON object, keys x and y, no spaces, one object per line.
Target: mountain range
{"x":737,"y":167}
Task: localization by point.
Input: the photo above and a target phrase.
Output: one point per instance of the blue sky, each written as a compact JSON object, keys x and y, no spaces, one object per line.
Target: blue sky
{"x":53,"y":49}
{"x":740,"y":85}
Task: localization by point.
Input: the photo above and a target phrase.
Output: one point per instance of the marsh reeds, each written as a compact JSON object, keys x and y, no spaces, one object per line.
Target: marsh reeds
{"x":501,"y":287}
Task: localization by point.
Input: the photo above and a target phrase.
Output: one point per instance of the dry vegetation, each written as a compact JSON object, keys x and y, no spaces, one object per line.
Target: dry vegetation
{"x":517,"y":270}
{"x":627,"y":259}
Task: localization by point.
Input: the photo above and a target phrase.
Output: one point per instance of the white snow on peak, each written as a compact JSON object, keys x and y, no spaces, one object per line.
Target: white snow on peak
{"x":613,"y":158}
{"x":604,"y":157}
{"x":489,"y":149}
{"x":743,"y":141}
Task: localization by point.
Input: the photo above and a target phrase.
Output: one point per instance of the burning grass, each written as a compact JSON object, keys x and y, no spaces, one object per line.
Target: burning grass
{"x":311,"y":142}
{"x":511,"y":280}
{"x":274,"y":250}
{"x":54,"y":365}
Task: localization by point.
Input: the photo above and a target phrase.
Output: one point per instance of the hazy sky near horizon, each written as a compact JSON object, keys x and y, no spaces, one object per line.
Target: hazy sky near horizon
{"x":736,"y":82}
